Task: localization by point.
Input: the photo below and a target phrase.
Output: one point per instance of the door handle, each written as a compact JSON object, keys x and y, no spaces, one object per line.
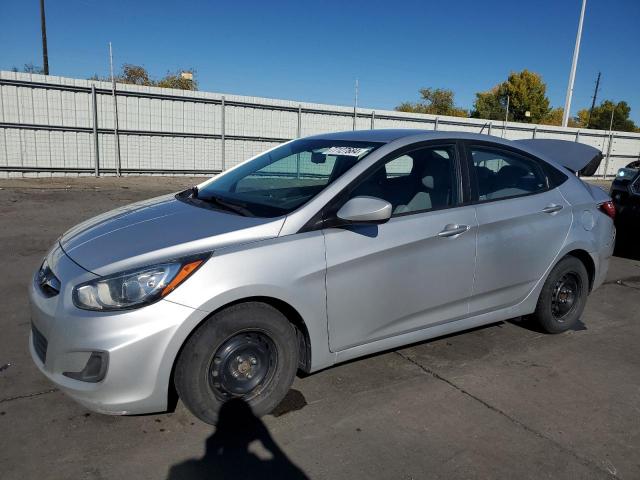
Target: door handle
{"x":452,"y":230}
{"x":552,"y":208}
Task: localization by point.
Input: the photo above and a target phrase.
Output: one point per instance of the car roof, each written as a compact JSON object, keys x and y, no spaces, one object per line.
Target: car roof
{"x":387,"y":135}
{"x":404,"y":136}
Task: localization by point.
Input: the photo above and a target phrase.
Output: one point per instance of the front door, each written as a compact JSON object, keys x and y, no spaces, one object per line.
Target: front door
{"x":412,"y":272}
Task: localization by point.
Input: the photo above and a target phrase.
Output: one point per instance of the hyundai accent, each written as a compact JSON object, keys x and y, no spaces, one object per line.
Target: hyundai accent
{"x":318,"y":251}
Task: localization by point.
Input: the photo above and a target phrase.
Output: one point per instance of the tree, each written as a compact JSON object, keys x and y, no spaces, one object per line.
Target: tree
{"x":30,"y":68}
{"x":526,"y":92}
{"x":553,"y":117}
{"x":601,"y":117}
{"x":178,"y":80}
{"x":137,"y":75}
{"x":435,"y":101}
{"x":134,"y":75}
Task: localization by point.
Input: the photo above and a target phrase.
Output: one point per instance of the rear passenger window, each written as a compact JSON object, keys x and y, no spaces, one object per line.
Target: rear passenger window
{"x":502,"y":174}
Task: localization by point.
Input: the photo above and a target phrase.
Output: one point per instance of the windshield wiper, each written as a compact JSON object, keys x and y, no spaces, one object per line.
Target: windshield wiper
{"x":233,"y":207}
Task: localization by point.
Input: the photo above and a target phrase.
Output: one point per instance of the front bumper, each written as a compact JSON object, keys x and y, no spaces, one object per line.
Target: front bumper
{"x":141,"y":345}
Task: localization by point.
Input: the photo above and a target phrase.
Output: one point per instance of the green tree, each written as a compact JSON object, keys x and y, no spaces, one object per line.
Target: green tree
{"x":601,"y":117}
{"x":435,"y":101}
{"x":526,"y":92}
{"x":137,"y":75}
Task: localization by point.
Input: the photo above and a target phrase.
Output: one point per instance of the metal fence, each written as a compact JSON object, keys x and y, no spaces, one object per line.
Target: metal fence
{"x":57,"y":126}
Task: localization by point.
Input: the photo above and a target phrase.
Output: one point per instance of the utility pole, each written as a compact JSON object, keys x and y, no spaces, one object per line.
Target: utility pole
{"x":574,"y":63}
{"x":43,"y":27}
{"x":355,"y":106}
{"x":593,"y":102}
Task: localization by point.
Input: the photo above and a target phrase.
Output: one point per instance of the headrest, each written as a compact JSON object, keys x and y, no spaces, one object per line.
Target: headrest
{"x":510,"y":174}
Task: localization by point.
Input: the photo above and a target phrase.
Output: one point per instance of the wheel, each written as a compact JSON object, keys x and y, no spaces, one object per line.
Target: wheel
{"x":247,"y":351}
{"x":563,"y":296}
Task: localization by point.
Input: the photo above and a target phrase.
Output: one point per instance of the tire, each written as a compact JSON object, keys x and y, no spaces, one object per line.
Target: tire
{"x":563,"y":296}
{"x":247,"y":351}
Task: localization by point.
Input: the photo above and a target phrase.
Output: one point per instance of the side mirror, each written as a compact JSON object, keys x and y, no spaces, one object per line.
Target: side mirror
{"x":365,"y":210}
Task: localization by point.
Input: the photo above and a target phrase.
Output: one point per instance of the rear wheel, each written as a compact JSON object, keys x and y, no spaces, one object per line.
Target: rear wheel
{"x":246,"y":351}
{"x":563,"y":296}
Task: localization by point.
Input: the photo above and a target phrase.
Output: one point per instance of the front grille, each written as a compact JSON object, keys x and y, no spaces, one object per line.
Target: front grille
{"x":47,"y":282}
{"x":39,"y":344}
{"x":635,"y":185}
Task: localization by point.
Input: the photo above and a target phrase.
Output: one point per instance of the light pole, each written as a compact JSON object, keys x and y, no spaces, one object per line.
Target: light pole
{"x":574,"y":63}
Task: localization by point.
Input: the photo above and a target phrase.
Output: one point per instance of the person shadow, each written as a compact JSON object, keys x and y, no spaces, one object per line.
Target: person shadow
{"x":227,"y":451}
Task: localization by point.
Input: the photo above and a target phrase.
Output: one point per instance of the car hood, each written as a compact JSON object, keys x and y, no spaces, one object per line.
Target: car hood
{"x":156,"y":230}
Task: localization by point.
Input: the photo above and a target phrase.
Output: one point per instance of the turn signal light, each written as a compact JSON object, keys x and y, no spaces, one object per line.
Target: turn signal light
{"x":182,"y":275}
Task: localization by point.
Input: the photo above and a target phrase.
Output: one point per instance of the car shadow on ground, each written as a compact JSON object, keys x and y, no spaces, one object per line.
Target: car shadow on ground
{"x":228,"y":451}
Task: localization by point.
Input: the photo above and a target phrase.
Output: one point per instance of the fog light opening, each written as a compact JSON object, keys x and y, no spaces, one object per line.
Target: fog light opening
{"x":94,"y":371}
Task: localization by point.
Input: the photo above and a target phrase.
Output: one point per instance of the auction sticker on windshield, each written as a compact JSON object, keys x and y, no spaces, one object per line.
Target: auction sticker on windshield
{"x":347,"y":151}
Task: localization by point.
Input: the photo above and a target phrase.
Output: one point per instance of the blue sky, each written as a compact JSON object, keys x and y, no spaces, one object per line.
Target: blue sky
{"x":313,"y":51}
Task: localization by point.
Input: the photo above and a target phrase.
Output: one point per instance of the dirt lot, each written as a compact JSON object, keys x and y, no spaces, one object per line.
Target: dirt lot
{"x":504,"y":401}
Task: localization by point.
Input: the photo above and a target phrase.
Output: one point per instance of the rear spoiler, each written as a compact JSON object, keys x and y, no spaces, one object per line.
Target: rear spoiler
{"x":574,"y":156}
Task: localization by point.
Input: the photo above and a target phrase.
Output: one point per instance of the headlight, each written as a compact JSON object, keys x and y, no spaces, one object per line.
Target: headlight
{"x":135,"y":288}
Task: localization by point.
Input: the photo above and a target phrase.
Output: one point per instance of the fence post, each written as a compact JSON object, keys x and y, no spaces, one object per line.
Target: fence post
{"x":115,"y":113}
{"x":373,"y":119}
{"x":299,"y":134}
{"x":435,"y":124}
{"x":578,"y":136}
{"x":489,"y":129}
{"x":96,"y":146}
{"x":222,"y":133}
{"x":606,"y":162}
{"x":535,"y":130}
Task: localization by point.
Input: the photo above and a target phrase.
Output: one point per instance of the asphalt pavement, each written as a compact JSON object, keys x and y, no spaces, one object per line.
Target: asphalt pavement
{"x":502,"y":401}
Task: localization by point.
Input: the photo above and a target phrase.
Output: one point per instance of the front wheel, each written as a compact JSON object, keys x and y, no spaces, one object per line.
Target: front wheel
{"x":246,"y":351}
{"x":563,"y":296}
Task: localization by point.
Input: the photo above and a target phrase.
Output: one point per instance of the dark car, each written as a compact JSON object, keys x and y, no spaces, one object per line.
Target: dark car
{"x":625,"y":192}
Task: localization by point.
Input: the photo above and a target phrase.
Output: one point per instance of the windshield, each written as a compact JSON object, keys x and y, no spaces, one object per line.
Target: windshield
{"x":281,"y":180}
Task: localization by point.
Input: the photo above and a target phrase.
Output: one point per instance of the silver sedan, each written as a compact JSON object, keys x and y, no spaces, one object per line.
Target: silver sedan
{"x":317,"y":251}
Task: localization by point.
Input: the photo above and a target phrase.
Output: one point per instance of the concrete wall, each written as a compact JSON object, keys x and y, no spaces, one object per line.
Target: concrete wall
{"x":46,"y":127}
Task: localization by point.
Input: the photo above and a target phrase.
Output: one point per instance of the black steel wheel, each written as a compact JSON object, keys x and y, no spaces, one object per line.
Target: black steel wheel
{"x":563,"y":296}
{"x":566,"y":293}
{"x":248,"y":351}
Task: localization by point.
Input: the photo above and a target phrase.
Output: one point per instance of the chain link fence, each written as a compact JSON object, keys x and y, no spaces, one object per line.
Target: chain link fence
{"x":59,"y":126}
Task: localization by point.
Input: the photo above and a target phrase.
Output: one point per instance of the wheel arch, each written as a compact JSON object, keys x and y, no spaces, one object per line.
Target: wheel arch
{"x":587,"y":261}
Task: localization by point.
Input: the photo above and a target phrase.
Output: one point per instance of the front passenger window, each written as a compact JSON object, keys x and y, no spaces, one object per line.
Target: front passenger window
{"x":501,"y":174}
{"x":420,"y":180}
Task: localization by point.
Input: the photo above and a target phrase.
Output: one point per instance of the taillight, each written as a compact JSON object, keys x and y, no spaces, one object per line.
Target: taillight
{"x":608,"y":208}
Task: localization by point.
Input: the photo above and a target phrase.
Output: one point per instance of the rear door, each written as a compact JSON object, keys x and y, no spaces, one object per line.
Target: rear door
{"x":523,"y":221}
{"x":412,"y":272}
